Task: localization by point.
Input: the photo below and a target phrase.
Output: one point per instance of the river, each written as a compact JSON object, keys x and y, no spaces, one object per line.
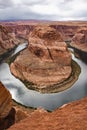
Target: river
{"x":35,"y":99}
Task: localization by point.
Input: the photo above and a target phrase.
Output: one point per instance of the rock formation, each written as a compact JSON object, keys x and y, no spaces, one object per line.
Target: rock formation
{"x":67,"y":31}
{"x":71,"y":116}
{"x":7,"y":40}
{"x":7,"y":113}
{"x":10,"y":112}
{"x":46,"y":61}
{"x":21,"y":29}
{"x":5,"y":101}
{"x":79,"y":41}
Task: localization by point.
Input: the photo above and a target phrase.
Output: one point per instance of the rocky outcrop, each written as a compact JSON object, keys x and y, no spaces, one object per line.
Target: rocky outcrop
{"x":67,"y":31}
{"x":7,"y":40}
{"x":7,"y":113}
{"x":71,"y":116}
{"x":45,"y":62}
{"x":5,"y":101}
{"x":21,"y":29}
{"x":10,"y":112}
{"x":79,"y":41}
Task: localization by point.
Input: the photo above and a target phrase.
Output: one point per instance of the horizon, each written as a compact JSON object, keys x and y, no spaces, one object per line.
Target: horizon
{"x":43,"y":20}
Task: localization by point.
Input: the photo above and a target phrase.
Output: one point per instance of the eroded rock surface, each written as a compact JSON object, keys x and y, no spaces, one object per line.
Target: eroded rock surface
{"x":7,"y":113}
{"x":7,"y":40}
{"x":10,"y":112}
{"x":46,"y":61}
{"x":5,"y":101}
{"x":79,"y":41}
{"x":72,"y":116}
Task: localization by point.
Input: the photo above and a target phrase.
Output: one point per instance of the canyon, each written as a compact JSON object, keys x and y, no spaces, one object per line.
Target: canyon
{"x":79,"y":40}
{"x":7,"y":40}
{"x":69,"y":116}
{"x":19,"y":31}
{"x":47,"y":61}
{"x":79,"y":43}
{"x":42,"y":58}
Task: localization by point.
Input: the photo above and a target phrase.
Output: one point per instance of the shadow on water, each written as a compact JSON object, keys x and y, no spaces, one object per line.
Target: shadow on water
{"x":48,"y":101}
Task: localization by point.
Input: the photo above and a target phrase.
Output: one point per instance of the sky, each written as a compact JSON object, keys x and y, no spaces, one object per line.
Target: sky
{"x":55,"y":10}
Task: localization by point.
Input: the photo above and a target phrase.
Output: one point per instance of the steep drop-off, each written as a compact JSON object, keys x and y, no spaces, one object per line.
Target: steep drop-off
{"x":72,"y":116}
{"x":7,"y":40}
{"x":46,"y":61}
{"x":79,"y":43}
{"x":6,"y":111}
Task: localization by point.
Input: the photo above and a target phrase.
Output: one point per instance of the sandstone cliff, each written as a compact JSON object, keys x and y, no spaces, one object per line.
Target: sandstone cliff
{"x":79,"y":41}
{"x":5,"y":101}
{"x":45,"y":62}
{"x":10,"y":112}
{"x":72,"y":116}
{"x":5,"y":108}
{"x":67,"y":31}
{"x":7,"y":40}
{"x":21,"y":29}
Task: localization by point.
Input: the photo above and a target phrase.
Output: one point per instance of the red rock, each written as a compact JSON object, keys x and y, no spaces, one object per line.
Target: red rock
{"x":46,"y":61}
{"x":7,"y":113}
{"x":7,"y":121}
{"x":7,"y":40}
{"x":79,"y":41}
{"x":5,"y":101}
{"x":72,"y":116}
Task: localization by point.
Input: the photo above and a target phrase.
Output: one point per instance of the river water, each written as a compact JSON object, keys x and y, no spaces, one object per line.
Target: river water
{"x":35,"y":99}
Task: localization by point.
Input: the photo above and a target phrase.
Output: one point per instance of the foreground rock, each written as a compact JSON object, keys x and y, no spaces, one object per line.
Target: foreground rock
{"x":45,"y":62}
{"x":5,"y":101}
{"x":72,"y":116}
{"x":10,"y":112}
{"x":6,"y":110}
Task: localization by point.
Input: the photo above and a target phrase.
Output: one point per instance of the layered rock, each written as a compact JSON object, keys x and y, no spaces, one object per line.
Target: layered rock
{"x":7,"y":113}
{"x":5,"y":101}
{"x":21,"y":29}
{"x":67,"y":30}
{"x":79,"y":41}
{"x":45,"y":62}
{"x":71,"y":116}
{"x":10,"y":112}
{"x":7,"y":40}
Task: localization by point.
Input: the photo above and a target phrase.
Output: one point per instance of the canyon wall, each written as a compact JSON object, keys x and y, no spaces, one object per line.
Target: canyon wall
{"x":13,"y":33}
{"x":6,"y":111}
{"x":79,"y":40}
{"x":47,"y":58}
{"x":7,"y":40}
{"x":79,"y":43}
{"x":46,"y":61}
{"x":23,"y":28}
